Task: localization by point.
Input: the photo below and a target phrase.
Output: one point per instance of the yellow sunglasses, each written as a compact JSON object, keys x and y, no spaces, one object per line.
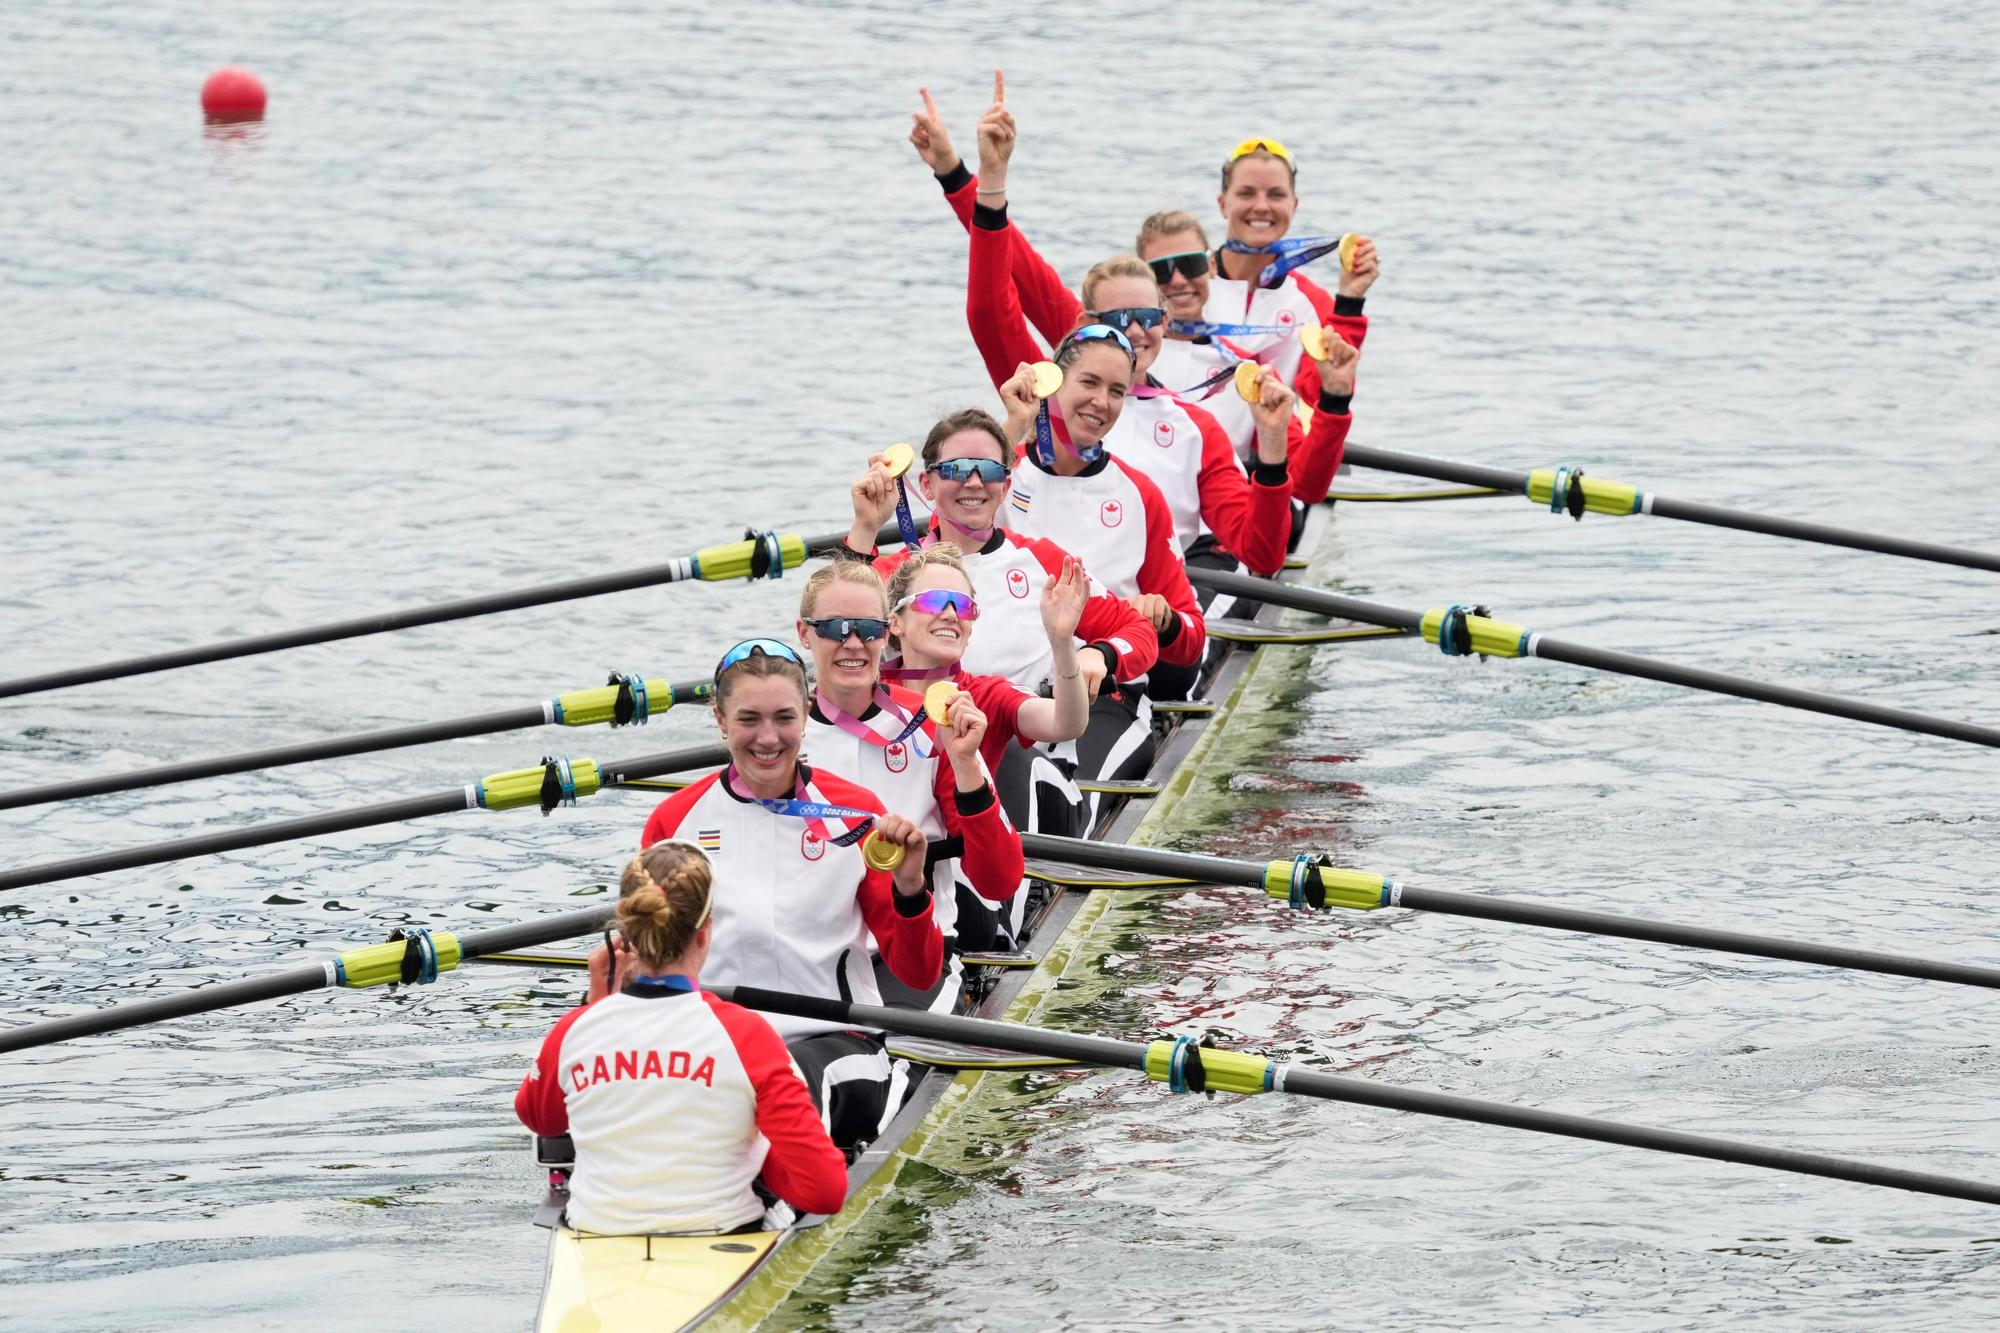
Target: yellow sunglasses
{"x":1271,"y":146}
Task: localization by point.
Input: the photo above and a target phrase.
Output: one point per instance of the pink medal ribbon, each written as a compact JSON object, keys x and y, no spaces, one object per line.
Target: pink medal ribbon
{"x":893,"y":669}
{"x":855,"y":727}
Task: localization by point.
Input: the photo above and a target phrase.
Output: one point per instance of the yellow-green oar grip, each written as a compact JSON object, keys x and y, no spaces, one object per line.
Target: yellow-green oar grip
{"x":523,"y":786}
{"x":1490,"y":638}
{"x":1599,"y":496}
{"x":589,"y":708}
{"x":379,"y":964}
{"x":732,"y":560}
{"x":1357,"y":890}
{"x":1226,"y":1071}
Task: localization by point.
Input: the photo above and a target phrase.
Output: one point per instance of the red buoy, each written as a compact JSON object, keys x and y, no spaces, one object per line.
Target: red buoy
{"x":234,"y":93}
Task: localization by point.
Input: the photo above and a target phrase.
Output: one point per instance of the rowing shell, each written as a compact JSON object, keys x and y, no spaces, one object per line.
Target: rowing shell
{"x":623,"y":1284}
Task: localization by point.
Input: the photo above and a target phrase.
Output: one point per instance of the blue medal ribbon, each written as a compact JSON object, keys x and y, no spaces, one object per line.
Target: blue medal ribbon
{"x":1287,"y":253}
{"x":1045,"y":442}
{"x":815,"y":813}
{"x":1201,"y":328}
{"x":906,"y":521}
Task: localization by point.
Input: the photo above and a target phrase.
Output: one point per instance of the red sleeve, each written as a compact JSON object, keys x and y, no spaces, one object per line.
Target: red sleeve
{"x":1050,"y":305}
{"x":992,"y":309}
{"x":1163,"y":572}
{"x":992,"y":861}
{"x":1251,"y":520}
{"x":912,"y":946}
{"x":1322,"y":303}
{"x":803,"y":1167}
{"x":540,"y":1103}
{"x":1106,"y":619}
{"x":1000,"y":699}
{"x":1314,"y":461}
{"x":1354,"y":328}
{"x":668,"y":814}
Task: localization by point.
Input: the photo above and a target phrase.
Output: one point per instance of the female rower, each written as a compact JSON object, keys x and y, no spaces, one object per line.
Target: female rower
{"x":677,"y":1101}
{"x":797,"y":903}
{"x":932,"y":612}
{"x":1176,"y":252}
{"x":881,"y":736}
{"x":967,"y":478}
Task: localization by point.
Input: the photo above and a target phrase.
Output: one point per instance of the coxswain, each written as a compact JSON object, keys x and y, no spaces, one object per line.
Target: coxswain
{"x":800,"y":857}
{"x":967,"y":479}
{"x":676,"y":1101}
{"x":927,"y":769}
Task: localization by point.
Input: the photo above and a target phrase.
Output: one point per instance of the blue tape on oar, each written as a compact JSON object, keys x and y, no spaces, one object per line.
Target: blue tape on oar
{"x":420,"y":958}
{"x":1301,"y":875}
{"x":1454,"y":635}
{"x":558,"y":782}
{"x":1291,"y":252}
{"x":1184,"y":1071}
{"x":632,"y":707}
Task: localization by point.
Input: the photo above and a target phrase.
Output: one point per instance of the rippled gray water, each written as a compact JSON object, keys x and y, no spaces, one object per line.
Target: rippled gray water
{"x":504,"y":293}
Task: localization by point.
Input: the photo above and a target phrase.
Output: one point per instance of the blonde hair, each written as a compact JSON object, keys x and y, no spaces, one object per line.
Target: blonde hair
{"x":944,"y":554}
{"x":841,"y":571}
{"x":1166,"y":224}
{"x":664,"y":899}
{"x":1263,"y":154}
{"x":1118,"y":266}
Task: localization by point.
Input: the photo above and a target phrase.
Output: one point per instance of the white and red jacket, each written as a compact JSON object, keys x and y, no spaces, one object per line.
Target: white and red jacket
{"x":1313,"y":456}
{"x":677,"y":1101}
{"x":1008,"y":576}
{"x":914,"y":779}
{"x":793,"y":912}
{"x":1111,"y":515}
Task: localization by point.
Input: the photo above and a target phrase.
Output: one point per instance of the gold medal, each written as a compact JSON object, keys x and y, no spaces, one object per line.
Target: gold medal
{"x":899,"y":458}
{"x":880,"y":853}
{"x":1313,"y":338}
{"x":1346,"y":253}
{"x":937,"y":701}
{"x":1048,"y":378}
{"x":1249,"y":381}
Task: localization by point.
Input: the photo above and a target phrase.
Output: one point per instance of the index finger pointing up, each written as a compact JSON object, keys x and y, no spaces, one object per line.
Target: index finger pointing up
{"x":930,"y":107}
{"x":999,"y":88}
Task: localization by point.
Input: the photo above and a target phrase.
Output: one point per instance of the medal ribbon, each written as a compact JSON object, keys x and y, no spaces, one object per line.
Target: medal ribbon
{"x":815,"y":813}
{"x":854,"y":726}
{"x":1201,"y":328}
{"x":893,"y":669}
{"x":1287,"y":253}
{"x":1046,"y":426}
{"x":906,"y":522}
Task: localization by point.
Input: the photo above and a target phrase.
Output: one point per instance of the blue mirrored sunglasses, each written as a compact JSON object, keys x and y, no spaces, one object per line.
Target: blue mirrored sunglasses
{"x":768,"y":647}
{"x":1122,"y":319}
{"x":1101,"y":333}
{"x":989,"y":470}
{"x":835,"y":629}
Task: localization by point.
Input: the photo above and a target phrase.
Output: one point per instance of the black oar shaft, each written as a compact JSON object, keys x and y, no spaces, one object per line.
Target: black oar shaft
{"x":304,"y":752}
{"x":1687,"y":511}
{"x":1742,"y":687}
{"x":292,"y":981}
{"x":1603,"y":659}
{"x":336,"y":821}
{"x":1521,"y":912}
{"x":1366,"y":1092}
{"x":463,"y":608}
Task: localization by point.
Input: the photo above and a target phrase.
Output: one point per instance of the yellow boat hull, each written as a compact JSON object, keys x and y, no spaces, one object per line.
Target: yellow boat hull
{"x":598,"y":1284}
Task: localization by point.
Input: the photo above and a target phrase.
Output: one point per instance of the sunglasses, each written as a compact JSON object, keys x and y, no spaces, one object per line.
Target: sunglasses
{"x":1122,"y":319}
{"x":1094,"y":333}
{"x":934,"y":601}
{"x":835,"y":629}
{"x":1249,"y":146}
{"x":989,"y":470}
{"x":754,"y":647}
{"x":1190,"y":264}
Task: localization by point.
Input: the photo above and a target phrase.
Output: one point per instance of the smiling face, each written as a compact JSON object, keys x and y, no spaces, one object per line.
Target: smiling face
{"x":763,"y":721}
{"x":1120,"y":293}
{"x":1184,"y":296}
{"x":939,"y":640}
{"x":973,"y":503}
{"x":849,"y":668}
{"x":1093,"y":390}
{"x":1259,"y":202}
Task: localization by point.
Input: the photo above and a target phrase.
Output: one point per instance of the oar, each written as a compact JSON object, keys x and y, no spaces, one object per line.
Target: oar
{"x":1309,"y":882}
{"x":558,"y":781}
{"x":416,"y":959}
{"x":760,"y":555}
{"x":1568,"y":490}
{"x":627,"y":700}
{"x":1461,"y":631}
{"x":1185,"y":1066}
